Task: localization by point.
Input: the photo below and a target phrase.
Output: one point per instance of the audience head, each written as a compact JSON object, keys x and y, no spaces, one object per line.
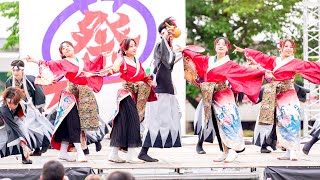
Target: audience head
{"x":52,"y":170}
{"x":120,"y":175}
{"x":93,"y":177}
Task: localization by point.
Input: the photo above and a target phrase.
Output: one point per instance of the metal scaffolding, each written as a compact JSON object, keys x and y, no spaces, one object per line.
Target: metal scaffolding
{"x":311,"y":52}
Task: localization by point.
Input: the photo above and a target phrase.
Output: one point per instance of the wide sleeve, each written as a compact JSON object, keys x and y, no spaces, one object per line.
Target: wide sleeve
{"x":264,"y":60}
{"x":39,"y":97}
{"x":97,"y":64}
{"x":200,"y":61}
{"x":162,"y":54}
{"x":308,"y":70}
{"x":58,"y":67}
{"x":115,"y":67}
{"x":246,"y":80}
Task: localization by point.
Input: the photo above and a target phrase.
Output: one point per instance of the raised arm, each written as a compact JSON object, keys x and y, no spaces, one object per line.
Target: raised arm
{"x":264,"y":60}
{"x":200,"y":61}
{"x":162,"y":54}
{"x":258,"y":57}
{"x":114,"y":68}
{"x":57,"y":67}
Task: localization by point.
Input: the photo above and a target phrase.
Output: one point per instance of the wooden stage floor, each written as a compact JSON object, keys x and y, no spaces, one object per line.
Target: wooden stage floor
{"x":176,"y":161}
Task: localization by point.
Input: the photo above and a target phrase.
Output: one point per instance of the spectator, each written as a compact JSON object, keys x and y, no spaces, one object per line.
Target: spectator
{"x":93,"y":177}
{"x":120,"y":175}
{"x":53,"y":170}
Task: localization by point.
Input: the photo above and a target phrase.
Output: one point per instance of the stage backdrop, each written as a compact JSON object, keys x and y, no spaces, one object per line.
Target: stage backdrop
{"x":94,"y":27}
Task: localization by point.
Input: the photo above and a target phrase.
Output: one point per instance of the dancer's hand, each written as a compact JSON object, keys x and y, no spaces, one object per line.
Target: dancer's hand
{"x":269,"y":74}
{"x":180,"y":48}
{"x":106,"y":71}
{"x":30,"y":59}
{"x":152,"y":83}
{"x":237,"y":49}
{"x":251,"y":61}
{"x":88,"y":74}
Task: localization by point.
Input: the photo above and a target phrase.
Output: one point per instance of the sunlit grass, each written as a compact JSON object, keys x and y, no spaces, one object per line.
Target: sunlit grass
{"x":248,"y":133}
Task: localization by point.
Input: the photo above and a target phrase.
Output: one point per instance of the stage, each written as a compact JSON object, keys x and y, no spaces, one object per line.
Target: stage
{"x":175,"y":163}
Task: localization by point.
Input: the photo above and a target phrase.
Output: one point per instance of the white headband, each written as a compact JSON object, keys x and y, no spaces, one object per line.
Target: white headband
{"x":17,"y":68}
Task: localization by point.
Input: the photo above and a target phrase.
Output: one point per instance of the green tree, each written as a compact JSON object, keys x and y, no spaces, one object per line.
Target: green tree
{"x":11,"y":10}
{"x":242,"y":21}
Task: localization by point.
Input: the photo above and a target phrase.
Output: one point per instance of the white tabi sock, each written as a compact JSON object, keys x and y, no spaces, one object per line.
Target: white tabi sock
{"x":64,"y":148}
{"x":80,"y":155}
{"x":132,"y":156}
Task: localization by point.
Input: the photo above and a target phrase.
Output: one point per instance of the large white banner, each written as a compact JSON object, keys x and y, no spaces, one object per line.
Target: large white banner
{"x":98,"y":26}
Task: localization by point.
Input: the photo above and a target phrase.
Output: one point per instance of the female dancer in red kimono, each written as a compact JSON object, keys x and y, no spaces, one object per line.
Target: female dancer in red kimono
{"x":214,"y":72}
{"x":280,"y":104}
{"x":131,"y":101}
{"x":77,"y":107}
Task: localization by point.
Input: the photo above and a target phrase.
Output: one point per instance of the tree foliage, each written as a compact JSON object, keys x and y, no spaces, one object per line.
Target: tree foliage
{"x":241,"y":21}
{"x":258,"y":24}
{"x":10,"y":10}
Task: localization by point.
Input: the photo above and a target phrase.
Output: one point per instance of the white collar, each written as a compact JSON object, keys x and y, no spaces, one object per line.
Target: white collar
{"x":212,"y":64}
{"x":134,"y":64}
{"x":79,"y":63}
{"x":281,"y":62}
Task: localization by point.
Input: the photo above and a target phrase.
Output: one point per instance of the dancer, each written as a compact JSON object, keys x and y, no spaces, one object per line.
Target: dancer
{"x":14,"y":136}
{"x":77,"y":108}
{"x":162,"y":117}
{"x":36,"y":95}
{"x":131,"y":100}
{"x":92,"y":136}
{"x":260,"y":132}
{"x":315,"y":133}
{"x":280,"y":108}
{"x":211,"y":74}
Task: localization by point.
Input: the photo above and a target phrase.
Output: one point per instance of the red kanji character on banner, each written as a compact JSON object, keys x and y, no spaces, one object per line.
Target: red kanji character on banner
{"x":94,"y":28}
